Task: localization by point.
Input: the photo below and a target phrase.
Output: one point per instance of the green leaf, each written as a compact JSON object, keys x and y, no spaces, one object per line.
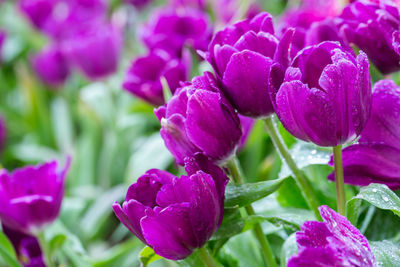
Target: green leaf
{"x":386,"y":253}
{"x":57,"y":241}
{"x":7,"y":252}
{"x":243,"y":195}
{"x":378,"y":195}
{"x":236,"y":226}
{"x":289,"y":248}
{"x":147,"y":256}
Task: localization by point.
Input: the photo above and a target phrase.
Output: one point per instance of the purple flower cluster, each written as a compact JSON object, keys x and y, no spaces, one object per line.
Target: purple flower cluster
{"x":169,"y":36}
{"x":333,"y":242}
{"x":175,"y":215}
{"x":80,"y":34}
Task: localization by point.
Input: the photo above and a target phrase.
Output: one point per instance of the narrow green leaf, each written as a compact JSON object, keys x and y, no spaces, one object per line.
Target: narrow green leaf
{"x":243,"y":195}
{"x":7,"y":253}
{"x":386,"y":253}
{"x":147,"y":256}
{"x":166,"y":90}
{"x":378,"y":195}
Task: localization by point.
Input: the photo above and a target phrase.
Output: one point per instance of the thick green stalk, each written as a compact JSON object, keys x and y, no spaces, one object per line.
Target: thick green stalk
{"x":206,"y":257}
{"x":45,"y":249}
{"x":339,"y":180}
{"x":234,"y":169}
{"x":298,"y":176}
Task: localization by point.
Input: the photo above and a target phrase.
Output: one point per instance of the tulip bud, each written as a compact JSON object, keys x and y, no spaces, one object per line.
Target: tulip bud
{"x":199,"y":119}
{"x":95,"y":50}
{"x":51,"y":66}
{"x":333,"y":242}
{"x":326,"y":95}
{"x":143,"y":78}
{"x":26,"y":246}
{"x":175,"y":215}
{"x":170,"y":30}
{"x":30,"y":197}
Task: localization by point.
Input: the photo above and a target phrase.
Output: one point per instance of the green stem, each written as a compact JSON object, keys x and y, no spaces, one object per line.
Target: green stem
{"x":207,"y":258}
{"x":234,"y":169}
{"x":339,"y":180}
{"x":298,"y":176}
{"x":45,"y":249}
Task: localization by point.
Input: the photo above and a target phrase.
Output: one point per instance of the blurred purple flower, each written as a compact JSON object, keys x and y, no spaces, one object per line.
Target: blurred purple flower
{"x":175,"y":215}
{"x":333,"y":242}
{"x":376,"y":158}
{"x":139,"y":4}
{"x":326,"y":95}
{"x":143,"y":78}
{"x":95,"y":49}
{"x":171,"y":30}
{"x":30,"y":197}
{"x":3,"y":36}
{"x":199,"y":119}
{"x":301,"y":18}
{"x":58,"y":18}
{"x":396,"y":42}
{"x":250,"y":61}
{"x":198,"y":4}
{"x":371,"y":26}
{"x":228,"y":10}
{"x":51,"y":66}
{"x":26,"y":246}
{"x":247,"y":125}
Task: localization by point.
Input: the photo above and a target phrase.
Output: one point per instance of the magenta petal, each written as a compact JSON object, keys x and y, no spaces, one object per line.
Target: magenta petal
{"x":247,"y":81}
{"x":333,"y":242}
{"x":371,"y":163}
{"x":176,"y":139}
{"x":212,"y":125}
{"x":169,"y":231}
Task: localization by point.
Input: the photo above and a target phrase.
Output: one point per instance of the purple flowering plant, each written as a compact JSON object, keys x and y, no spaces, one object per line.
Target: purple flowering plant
{"x":199,"y":133}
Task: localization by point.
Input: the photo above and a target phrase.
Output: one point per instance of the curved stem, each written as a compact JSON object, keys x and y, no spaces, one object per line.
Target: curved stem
{"x":339,"y":180}
{"x":207,"y":258}
{"x":298,"y":176}
{"x":234,"y":169}
{"x":45,"y":249}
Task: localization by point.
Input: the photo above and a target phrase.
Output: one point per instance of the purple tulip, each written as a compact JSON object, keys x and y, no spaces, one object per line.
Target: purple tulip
{"x":143,"y":78}
{"x":370,"y":26}
{"x":175,"y":215}
{"x":26,"y":246}
{"x":333,"y":242}
{"x":326,"y":95}
{"x":95,"y":49}
{"x":303,"y":17}
{"x":30,"y":197}
{"x":171,"y":30}
{"x":325,"y":30}
{"x":58,"y":18}
{"x":199,"y":119}
{"x":51,"y":66}
{"x":250,"y":62}
{"x":376,"y":159}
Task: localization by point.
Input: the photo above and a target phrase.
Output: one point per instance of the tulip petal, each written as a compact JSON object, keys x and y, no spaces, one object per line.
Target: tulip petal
{"x":247,"y":81}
